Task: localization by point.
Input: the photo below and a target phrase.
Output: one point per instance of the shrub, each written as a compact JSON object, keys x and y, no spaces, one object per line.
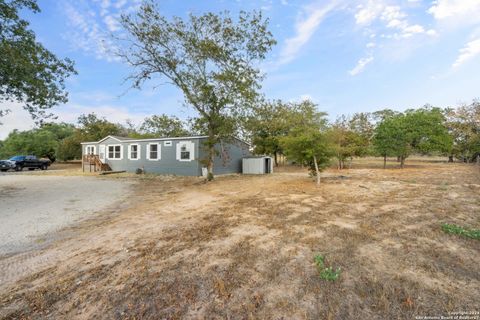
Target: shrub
{"x":326,"y":273}
{"x":455,"y":229}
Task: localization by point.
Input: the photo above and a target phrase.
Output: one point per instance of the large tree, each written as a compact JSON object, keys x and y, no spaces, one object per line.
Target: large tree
{"x":163,"y":126}
{"x":350,"y":137}
{"x":211,"y":58}
{"x":29,"y":73}
{"x":464,"y":126}
{"x":421,"y":130}
{"x":267,"y":124}
{"x":306,"y":142}
{"x":93,"y":128}
{"x":42,"y":142}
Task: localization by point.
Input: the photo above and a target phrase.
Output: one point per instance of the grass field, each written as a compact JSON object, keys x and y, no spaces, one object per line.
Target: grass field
{"x":244,"y":247}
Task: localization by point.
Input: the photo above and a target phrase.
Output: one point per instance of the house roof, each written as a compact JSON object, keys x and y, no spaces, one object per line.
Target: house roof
{"x":120,"y":138}
{"x":125,"y":139}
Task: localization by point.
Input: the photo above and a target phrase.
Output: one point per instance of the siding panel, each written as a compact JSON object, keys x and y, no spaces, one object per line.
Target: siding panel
{"x":229,"y":159}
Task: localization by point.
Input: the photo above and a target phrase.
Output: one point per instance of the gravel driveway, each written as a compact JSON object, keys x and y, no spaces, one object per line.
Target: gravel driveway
{"x":32,"y":206}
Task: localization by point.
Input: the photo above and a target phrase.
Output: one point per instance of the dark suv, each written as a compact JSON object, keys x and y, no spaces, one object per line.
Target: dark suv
{"x":30,"y":162}
{"x":5,"y":165}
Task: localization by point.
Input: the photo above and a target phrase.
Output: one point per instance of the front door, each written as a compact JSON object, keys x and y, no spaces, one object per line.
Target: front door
{"x":101,"y":152}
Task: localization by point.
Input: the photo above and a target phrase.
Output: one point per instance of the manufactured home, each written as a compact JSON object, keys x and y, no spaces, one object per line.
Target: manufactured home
{"x":178,"y":156}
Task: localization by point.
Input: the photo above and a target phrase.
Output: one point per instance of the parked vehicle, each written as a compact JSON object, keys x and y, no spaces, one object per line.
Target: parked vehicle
{"x":30,"y":162}
{"x":6,"y":165}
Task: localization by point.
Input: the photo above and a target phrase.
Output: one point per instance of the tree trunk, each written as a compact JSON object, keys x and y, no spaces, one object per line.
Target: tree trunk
{"x":275,"y":157}
{"x":402,"y":161}
{"x":450,"y":158}
{"x":316,"y":170}
{"x":211,"y":154}
{"x":384,"y":162}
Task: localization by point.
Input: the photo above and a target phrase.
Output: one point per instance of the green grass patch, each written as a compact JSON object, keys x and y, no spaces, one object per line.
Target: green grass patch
{"x":455,"y":229}
{"x":326,"y":273}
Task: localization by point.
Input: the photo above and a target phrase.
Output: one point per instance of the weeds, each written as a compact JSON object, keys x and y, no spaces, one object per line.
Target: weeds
{"x":326,"y":273}
{"x":455,"y":229}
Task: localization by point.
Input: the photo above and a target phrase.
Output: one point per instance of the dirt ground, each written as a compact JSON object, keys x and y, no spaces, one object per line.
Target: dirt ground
{"x":33,"y":206}
{"x":242,"y":247}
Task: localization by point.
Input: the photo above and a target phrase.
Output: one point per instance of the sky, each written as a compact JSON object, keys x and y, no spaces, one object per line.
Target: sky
{"x":346,"y":56}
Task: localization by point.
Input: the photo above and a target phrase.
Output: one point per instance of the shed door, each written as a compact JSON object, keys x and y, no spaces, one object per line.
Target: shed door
{"x":268,"y":164}
{"x":101,"y":152}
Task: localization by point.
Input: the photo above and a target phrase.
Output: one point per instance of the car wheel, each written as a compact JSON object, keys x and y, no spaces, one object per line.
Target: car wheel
{"x":18,"y":168}
{"x":44,"y":167}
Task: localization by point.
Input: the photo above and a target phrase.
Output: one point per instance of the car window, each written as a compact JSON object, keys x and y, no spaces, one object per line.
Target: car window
{"x":17,"y":158}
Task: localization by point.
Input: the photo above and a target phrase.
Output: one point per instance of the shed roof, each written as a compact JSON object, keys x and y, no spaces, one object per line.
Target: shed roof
{"x":256,"y":157}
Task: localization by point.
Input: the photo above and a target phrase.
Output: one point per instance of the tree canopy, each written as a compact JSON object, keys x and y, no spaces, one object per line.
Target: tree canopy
{"x":163,"y":126}
{"x":416,"y":130}
{"x":463,"y":124}
{"x":306,"y":142}
{"x":350,"y":137}
{"x":42,"y":142}
{"x":211,"y":58}
{"x":29,"y":73}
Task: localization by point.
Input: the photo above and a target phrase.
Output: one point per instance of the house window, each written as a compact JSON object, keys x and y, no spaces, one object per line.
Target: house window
{"x":134,"y":152}
{"x":153,"y":151}
{"x":184,"y":153}
{"x":90,"y":150}
{"x":115,"y":152}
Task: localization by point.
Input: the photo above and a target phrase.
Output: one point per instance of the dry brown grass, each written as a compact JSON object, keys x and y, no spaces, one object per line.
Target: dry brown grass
{"x":242,"y":247}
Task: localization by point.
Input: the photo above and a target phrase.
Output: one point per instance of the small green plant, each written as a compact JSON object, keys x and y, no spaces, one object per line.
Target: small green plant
{"x":455,"y":229}
{"x":326,"y":273}
{"x":443,"y":186}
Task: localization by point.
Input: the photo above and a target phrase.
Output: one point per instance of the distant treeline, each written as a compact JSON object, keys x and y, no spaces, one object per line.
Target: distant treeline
{"x":451,"y":132}
{"x":62,"y":140}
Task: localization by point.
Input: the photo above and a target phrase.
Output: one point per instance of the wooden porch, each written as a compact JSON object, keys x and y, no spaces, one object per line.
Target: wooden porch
{"x":94,"y":164}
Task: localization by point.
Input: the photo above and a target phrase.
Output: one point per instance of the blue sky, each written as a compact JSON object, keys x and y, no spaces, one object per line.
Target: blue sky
{"x":347,"y":56}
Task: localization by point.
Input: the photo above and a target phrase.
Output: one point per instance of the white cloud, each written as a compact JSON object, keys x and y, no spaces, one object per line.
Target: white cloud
{"x":88,"y":35}
{"x":361,"y":64}
{"x":92,"y":23}
{"x":367,"y":13}
{"x":112,"y":23}
{"x":468,"y":52}
{"x":305,"y":28}
{"x":395,"y":18}
{"x":443,"y":9}
{"x":392,"y":16}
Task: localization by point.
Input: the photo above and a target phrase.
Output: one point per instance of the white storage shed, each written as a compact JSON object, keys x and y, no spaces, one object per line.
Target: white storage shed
{"x":257,"y":165}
